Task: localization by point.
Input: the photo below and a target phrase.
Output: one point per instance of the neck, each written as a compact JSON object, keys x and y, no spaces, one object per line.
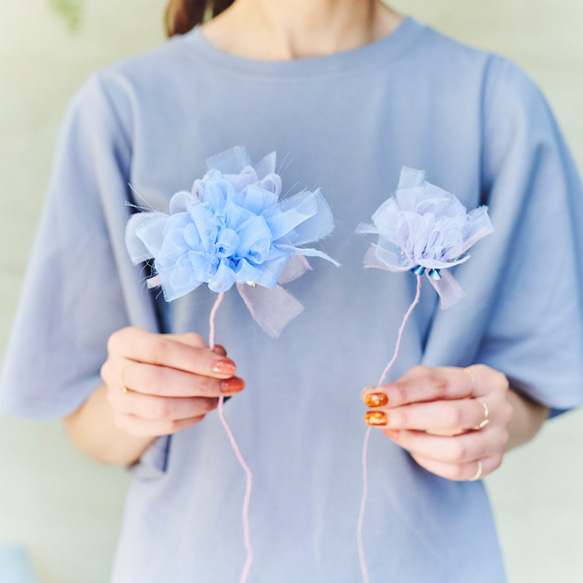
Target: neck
{"x":292,"y":29}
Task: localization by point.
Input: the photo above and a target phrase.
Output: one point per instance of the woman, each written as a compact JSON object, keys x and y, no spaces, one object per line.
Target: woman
{"x":347,"y":92}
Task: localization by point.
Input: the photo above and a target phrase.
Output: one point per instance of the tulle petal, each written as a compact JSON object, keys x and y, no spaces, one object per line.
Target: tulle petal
{"x":265,"y":275}
{"x":204,"y":220}
{"x":410,"y":178}
{"x":257,"y":199}
{"x":449,"y":290}
{"x":295,"y":267}
{"x":291,"y":213}
{"x":266,"y":165}
{"x":180,"y":202}
{"x":387,"y":259}
{"x":271,"y":183}
{"x":223,"y":279}
{"x":272,"y":309}
{"x":178,"y":281}
{"x":318,"y":222}
{"x":231,"y":161}
{"x":481,"y":226}
{"x":227,"y":243}
{"x":254,"y":240}
{"x":308,"y":253}
{"x":144,"y":235}
{"x":242,"y":180}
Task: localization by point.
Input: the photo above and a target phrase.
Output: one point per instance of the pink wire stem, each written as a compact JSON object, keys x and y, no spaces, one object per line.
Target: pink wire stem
{"x":359,"y":527}
{"x":236,"y":449}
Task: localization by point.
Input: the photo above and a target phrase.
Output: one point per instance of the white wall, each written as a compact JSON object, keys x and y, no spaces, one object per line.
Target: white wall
{"x":67,"y":509}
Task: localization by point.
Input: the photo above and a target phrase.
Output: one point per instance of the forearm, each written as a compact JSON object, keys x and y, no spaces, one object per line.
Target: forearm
{"x":93,"y":432}
{"x":527,"y":418}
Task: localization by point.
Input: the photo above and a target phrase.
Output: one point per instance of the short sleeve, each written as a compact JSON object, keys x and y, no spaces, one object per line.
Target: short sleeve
{"x":79,"y":285}
{"x":534,"y":332}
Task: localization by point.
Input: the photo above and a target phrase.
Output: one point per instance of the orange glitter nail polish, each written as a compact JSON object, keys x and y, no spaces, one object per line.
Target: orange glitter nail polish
{"x":375,"y":418}
{"x":373,"y":400}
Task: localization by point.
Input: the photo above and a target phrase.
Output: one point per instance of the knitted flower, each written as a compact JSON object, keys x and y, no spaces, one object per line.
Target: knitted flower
{"x":424,"y":227}
{"x":232,"y":228}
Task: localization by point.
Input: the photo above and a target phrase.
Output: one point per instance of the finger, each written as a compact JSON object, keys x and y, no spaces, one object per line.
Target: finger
{"x":442,"y":415}
{"x":153,"y":408}
{"x":218,"y":349}
{"x":197,"y":341}
{"x":419,"y":385}
{"x":496,"y":409}
{"x":462,"y":448}
{"x":460,"y":472}
{"x":166,"y":350}
{"x":169,"y":382}
{"x":144,"y":428}
{"x":447,"y":432}
{"x":190,"y":338}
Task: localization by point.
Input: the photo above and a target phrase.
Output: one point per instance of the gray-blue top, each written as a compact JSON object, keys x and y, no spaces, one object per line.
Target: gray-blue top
{"x":346,"y":123}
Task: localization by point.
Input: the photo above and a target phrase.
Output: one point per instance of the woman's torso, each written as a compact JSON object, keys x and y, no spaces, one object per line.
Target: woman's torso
{"x":346,"y":124}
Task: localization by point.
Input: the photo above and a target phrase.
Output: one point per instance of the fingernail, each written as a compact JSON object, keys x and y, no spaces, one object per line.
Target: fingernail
{"x":218,"y":349}
{"x":225,"y":366}
{"x":362,"y":393}
{"x":392,"y":433}
{"x":232,"y":386}
{"x":373,"y":400}
{"x":375,"y":418}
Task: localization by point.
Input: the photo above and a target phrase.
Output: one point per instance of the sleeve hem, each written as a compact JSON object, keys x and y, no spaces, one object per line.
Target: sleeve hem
{"x":154,"y":461}
{"x":556,"y":412}
{"x":555,"y":402}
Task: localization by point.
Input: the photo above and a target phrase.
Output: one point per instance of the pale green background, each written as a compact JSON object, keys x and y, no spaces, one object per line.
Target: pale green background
{"x":65,"y":509}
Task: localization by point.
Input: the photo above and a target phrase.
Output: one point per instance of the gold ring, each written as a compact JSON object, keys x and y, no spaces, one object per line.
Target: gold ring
{"x":474,"y":382}
{"x":486,"y":419}
{"x":478,"y":473}
{"x":123,"y":384}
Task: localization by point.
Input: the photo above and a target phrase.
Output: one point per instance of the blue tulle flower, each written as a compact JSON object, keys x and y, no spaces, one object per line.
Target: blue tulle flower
{"x":232,"y":228}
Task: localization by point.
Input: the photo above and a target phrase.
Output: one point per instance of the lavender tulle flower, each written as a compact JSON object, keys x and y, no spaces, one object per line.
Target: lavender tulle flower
{"x":423,"y":227}
{"x":232,"y":228}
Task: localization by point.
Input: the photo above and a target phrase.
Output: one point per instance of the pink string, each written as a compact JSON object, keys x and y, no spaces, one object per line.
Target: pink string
{"x":212,"y":327}
{"x":359,"y":527}
{"x":401,"y":330}
{"x":248,"y":474}
{"x":361,"y":554}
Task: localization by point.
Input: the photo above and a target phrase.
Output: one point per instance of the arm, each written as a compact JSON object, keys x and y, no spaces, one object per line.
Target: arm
{"x":435,"y":414}
{"x":93,"y":431}
{"x":172,"y":382}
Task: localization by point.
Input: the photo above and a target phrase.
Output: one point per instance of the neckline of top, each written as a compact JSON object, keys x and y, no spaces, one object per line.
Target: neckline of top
{"x":377,"y":53}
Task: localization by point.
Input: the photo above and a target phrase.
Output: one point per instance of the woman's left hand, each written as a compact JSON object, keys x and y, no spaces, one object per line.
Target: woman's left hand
{"x":453,"y":421}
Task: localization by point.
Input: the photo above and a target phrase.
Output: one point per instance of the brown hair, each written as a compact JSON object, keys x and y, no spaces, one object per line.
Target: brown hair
{"x":183,"y":15}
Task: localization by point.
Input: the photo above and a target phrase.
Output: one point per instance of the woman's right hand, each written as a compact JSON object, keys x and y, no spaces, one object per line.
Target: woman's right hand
{"x":172,"y":380}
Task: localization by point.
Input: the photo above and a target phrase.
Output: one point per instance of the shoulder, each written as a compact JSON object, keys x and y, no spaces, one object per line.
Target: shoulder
{"x":515,"y":112}
{"x":455,"y":61}
{"x":447,"y":64}
{"x":158,"y":66}
{"x":450,"y":53}
{"x":509,"y":96}
{"x":506,"y":105}
{"x":115,"y":95}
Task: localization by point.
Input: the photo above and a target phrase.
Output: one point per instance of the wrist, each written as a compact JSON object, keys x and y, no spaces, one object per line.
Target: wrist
{"x":93,"y":431}
{"x":527,"y":419}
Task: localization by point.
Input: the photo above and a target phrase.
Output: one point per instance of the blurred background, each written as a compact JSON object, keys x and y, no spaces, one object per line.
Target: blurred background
{"x":65,"y":509}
